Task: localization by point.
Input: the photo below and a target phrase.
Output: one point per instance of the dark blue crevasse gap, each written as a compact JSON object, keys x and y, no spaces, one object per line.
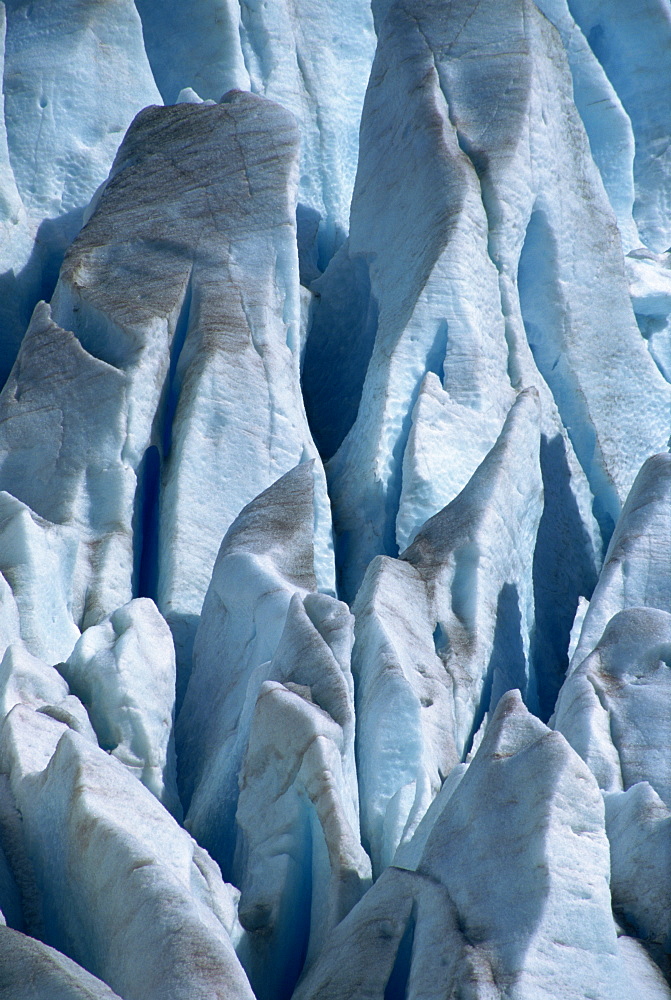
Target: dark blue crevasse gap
{"x":563,"y":570}
{"x":338,"y":349}
{"x":273,"y":960}
{"x":397,"y":984}
{"x":146,"y":514}
{"x":145,"y":525}
{"x":307,"y":238}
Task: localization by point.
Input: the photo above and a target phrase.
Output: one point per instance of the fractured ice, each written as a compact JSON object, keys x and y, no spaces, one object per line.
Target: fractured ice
{"x":335,"y":500}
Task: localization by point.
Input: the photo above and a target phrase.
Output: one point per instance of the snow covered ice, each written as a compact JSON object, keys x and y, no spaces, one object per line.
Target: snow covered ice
{"x":335,"y":500}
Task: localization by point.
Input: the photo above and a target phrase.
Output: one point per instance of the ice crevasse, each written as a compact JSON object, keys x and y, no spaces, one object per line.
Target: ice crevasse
{"x":335,"y":500}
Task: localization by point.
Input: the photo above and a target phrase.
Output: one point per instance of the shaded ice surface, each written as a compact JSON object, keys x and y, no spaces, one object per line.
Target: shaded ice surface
{"x":335,"y":493}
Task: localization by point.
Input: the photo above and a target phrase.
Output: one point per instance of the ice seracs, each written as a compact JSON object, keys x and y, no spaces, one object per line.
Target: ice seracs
{"x":123,"y":670}
{"x":267,"y":556}
{"x":540,"y":925}
{"x":123,"y":890}
{"x":443,"y":631}
{"x":298,"y":805}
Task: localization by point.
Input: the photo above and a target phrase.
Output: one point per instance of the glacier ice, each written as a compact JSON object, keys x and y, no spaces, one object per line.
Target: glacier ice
{"x":123,"y":671}
{"x":123,"y":890}
{"x":335,"y":578}
{"x":75,"y":74}
{"x":446,"y":921}
{"x":30,"y":969}
{"x":443,"y":631}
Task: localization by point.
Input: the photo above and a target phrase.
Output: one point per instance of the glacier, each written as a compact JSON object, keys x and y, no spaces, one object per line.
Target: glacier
{"x":335,"y":500}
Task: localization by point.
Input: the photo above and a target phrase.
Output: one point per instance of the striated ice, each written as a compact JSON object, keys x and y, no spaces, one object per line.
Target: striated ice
{"x":298,"y":805}
{"x":123,"y":890}
{"x":636,"y":569}
{"x":75,"y":75}
{"x":31,"y":970}
{"x":607,"y":124}
{"x":443,"y":632}
{"x":632,"y":41}
{"x":539,"y":925}
{"x":123,"y":670}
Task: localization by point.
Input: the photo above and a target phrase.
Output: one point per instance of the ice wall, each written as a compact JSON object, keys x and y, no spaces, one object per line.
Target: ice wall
{"x":335,"y":537}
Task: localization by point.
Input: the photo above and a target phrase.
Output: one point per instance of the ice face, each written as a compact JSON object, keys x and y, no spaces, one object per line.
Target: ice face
{"x":443,"y":631}
{"x":417,"y":926}
{"x":74,"y":77}
{"x":334,"y":513}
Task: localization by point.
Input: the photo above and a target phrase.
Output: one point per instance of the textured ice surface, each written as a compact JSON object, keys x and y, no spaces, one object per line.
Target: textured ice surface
{"x":464,"y":311}
{"x":75,"y":75}
{"x":447,"y":920}
{"x":123,"y":890}
{"x":123,"y":670}
{"x":443,"y":631}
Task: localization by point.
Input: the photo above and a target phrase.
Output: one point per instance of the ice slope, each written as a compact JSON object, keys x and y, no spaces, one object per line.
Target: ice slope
{"x":31,"y":970}
{"x":75,"y":75}
{"x":123,"y":890}
{"x":539,"y":925}
{"x":609,"y":130}
{"x":443,"y":631}
{"x":524,"y":174}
